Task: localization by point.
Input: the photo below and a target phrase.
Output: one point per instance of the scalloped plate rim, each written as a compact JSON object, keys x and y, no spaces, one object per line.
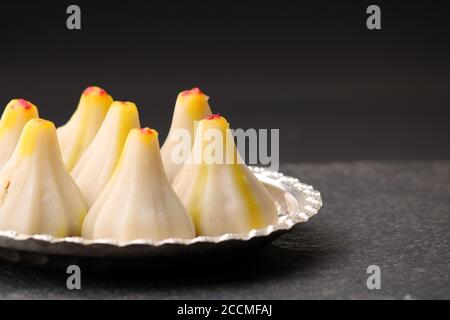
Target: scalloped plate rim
{"x":285,"y":222}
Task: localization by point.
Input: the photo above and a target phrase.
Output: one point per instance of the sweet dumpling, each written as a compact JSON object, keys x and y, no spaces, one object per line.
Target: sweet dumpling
{"x":138,"y":202}
{"x":221,"y":193}
{"x":76,"y":135}
{"x":37,"y":193}
{"x":97,"y":164}
{"x":16,"y":115}
{"x":192,"y":105}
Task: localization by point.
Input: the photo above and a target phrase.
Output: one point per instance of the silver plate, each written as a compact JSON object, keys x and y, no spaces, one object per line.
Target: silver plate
{"x":296,"y":203}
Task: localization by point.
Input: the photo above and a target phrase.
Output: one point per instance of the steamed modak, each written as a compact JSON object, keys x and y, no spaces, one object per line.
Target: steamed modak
{"x":96,"y":165}
{"x":16,"y":115}
{"x":191,"y":106}
{"x":138,"y":202}
{"x":219,"y":191}
{"x":77,"y":134}
{"x":102,"y":176}
{"x":37,"y":193}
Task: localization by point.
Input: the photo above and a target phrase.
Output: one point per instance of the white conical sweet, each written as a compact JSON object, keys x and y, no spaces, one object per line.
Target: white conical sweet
{"x":37,"y":193}
{"x":97,"y":164}
{"x":220,"y":192}
{"x":138,"y":202}
{"x":17,"y":113}
{"x":191,"y":106}
{"x":77,"y":134}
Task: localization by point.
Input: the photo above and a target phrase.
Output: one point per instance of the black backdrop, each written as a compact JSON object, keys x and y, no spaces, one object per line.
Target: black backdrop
{"x":336,"y":90}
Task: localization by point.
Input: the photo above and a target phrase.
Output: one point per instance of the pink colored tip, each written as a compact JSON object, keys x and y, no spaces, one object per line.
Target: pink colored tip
{"x":24,"y":104}
{"x":213,"y":116}
{"x":192,"y":91}
{"x":92,"y":89}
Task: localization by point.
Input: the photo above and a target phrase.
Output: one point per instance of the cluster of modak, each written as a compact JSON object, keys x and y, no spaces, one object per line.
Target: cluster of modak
{"x":101,"y":175}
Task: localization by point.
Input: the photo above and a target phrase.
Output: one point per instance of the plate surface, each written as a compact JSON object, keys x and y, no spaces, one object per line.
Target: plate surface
{"x":296,"y":203}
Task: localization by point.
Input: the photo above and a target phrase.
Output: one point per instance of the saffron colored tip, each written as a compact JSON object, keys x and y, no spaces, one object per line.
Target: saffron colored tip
{"x":148,"y":131}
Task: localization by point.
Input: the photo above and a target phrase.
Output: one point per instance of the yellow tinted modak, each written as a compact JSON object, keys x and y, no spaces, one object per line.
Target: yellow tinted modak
{"x":96,"y":165}
{"x":191,"y":106}
{"x":221,"y":193}
{"x":37,"y":193}
{"x":77,"y":134}
{"x":17,"y":113}
{"x":138,"y":202}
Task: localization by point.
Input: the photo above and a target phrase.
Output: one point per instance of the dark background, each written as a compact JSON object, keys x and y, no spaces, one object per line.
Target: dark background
{"x":337,"y":90}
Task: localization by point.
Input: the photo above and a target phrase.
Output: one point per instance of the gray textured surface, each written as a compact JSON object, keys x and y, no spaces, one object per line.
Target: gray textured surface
{"x":392,"y":214}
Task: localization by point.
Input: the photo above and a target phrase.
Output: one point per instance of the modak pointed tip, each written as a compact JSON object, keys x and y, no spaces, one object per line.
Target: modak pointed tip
{"x":21,"y":105}
{"x":17,"y":113}
{"x":124,"y":106}
{"x":193,"y":91}
{"x":76,"y":135}
{"x":145,"y":135}
{"x":32,"y":133}
{"x":24,"y":104}
{"x":124,"y":103}
{"x":126,"y":113}
{"x":215,"y":121}
{"x":39,"y":124}
{"x":193,"y":97}
{"x":213,"y":116}
{"x":95,"y":97}
{"x":216,"y":118}
{"x":148,"y":132}
{"x":94,"y":90}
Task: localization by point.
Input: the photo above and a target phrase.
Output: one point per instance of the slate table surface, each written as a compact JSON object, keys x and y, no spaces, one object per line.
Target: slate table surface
{"x":394,"y":214}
